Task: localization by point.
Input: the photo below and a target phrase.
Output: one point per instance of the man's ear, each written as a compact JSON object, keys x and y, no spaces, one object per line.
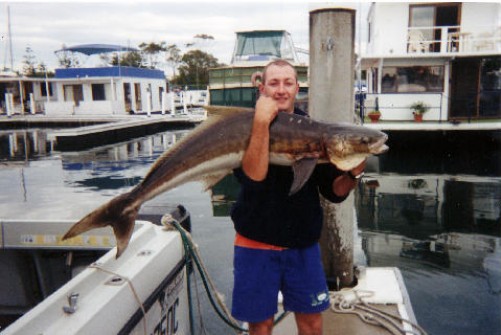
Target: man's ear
{"x":261,"y":88}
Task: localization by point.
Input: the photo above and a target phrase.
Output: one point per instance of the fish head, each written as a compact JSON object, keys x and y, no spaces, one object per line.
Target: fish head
{"x":347,"y":146}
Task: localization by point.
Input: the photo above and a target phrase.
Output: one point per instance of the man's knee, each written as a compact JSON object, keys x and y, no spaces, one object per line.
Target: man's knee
{"x":261,"y":328}
{"x":309,"y":324}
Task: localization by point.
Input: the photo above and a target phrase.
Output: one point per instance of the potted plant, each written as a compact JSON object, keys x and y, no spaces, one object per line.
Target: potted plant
{"x":374,"y":115}
{"x":419,"y":108}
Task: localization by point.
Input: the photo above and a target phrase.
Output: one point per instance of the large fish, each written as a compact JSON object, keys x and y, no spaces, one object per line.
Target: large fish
{"x":214,"y":148}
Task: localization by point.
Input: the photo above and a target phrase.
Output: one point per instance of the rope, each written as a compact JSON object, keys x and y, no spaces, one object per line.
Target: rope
{"x":134,"y":292}
{"x":217,"y":303}
{"x":372,"y":315}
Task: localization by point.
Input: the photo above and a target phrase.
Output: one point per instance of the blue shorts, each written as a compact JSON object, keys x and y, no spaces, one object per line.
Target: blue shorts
{"x":260,"y":274}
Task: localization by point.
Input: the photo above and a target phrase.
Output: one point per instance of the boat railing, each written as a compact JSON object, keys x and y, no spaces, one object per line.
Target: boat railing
{"x":397,"y":106}
{"x":453,"y":40}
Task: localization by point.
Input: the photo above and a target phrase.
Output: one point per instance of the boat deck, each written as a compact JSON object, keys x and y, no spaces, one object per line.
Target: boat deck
{"x":435,"y":126}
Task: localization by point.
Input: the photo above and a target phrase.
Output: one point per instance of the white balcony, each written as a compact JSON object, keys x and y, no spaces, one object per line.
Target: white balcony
{"x":453,"y":40}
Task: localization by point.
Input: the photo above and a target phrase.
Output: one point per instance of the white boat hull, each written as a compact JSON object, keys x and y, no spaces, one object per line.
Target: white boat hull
{"x":112,"y":294}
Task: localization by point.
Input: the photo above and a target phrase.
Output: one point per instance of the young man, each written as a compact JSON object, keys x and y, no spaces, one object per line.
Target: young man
{"x":276,"y":245}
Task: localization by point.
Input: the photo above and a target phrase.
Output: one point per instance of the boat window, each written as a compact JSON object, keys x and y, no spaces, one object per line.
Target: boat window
{"x":43,"y":89}
{"x":259,"y":45}
{"x":412,"y":79}
{"x":98,"y":92}
{"x":426,"y":23}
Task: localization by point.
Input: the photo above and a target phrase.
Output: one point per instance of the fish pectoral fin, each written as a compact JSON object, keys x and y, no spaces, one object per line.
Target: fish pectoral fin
{"x":212,"y":179}
{"x":302,"y":169}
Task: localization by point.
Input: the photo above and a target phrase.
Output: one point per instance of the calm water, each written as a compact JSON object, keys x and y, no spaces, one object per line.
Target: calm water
{"x":436,"y":216}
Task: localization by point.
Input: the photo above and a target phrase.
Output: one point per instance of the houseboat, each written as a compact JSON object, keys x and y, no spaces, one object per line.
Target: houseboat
{"x":444,"y":55}
{"x":107,"y":90}
{"x":116,"y":90}
{"x":233,"y":85}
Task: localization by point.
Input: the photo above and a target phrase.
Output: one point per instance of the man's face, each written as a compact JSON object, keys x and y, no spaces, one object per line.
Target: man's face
{"x":281,"y":85}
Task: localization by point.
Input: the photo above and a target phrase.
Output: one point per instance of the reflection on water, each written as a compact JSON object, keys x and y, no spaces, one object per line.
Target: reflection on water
{"x":443,"y":232}
{"x":436,"y":219}
{"x":22,"y":145}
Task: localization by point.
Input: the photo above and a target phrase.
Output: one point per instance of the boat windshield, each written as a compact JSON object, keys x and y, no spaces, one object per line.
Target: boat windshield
{"x":263,"y":46}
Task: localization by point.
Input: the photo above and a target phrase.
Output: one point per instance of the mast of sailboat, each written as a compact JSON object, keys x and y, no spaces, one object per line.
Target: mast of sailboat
{"x":9,"y":44}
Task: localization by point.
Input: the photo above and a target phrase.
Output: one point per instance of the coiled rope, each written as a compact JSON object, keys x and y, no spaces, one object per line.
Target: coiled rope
{"x":372,"y":315}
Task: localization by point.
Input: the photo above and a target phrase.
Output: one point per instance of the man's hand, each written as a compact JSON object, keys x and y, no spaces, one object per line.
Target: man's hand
{"x":256,"y":157}
{"x":266,"y":111}
{"x":359,"y":169}
{"x":344,"y":183}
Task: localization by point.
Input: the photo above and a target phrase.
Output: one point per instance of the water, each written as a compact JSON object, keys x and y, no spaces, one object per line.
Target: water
{"x":435,"y":215}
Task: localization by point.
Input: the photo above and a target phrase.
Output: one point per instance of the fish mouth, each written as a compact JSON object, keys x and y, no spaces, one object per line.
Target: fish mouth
{"x":379,"y":146}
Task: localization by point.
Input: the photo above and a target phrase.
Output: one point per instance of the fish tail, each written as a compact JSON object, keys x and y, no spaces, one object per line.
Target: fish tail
{"x":120,"y":213}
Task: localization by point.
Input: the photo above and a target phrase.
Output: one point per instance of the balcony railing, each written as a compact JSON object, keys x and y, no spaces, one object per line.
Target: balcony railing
{"x":452,"y":39}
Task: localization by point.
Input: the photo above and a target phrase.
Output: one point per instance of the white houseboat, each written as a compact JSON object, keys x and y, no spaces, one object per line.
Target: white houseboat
{"x":115,"y":90}
{"x":446,"y":55}
{"x":107,"y":90}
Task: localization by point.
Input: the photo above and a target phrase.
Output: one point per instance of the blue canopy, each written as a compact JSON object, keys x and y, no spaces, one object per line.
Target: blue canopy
{"x":92,"y":49}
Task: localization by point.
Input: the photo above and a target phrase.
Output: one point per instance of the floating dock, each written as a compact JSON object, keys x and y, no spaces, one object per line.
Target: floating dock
{"x":79,"y":133}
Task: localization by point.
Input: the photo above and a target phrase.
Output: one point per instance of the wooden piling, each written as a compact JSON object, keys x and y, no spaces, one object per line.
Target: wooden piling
{"x":331,"y":98}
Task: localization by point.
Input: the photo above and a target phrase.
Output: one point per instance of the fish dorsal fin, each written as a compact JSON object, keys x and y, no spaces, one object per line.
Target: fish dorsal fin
{"x":225,"y":110}
{"x":302,"y":169}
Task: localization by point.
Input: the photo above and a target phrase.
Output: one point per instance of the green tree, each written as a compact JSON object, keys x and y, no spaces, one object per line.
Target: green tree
{"x":42,"y":70}
{"x":195,"y":68}
{"x":152,"y":51}
{"x":173,"y":57}
{"x":132,"y":58}
{"x":67,"y":58}
{"x":29,"y":60}
{"x":204,"y":36}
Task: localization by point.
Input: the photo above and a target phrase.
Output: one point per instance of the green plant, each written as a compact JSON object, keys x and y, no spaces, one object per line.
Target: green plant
{"x":419,"y":107}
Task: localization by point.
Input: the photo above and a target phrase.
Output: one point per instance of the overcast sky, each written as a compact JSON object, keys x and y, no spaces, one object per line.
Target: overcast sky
{"x":45,"y":27}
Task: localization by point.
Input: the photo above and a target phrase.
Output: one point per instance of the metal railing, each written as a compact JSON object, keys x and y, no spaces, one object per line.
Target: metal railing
{"x":397,"y":106}
{"x":452,"y":39}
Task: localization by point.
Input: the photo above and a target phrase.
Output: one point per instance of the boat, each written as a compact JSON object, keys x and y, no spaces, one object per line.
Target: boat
{"x":445,"y":55}
{"x":78,"y":287}
{"x":233,"y":85}
{"x":96,"y":91}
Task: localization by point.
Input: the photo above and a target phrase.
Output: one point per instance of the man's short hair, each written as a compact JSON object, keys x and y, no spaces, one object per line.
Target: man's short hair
{"x":277,"y":62}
